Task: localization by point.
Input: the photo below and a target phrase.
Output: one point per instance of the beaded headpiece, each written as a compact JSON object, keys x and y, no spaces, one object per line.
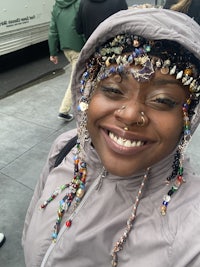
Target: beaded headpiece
{"x":121,"y":52}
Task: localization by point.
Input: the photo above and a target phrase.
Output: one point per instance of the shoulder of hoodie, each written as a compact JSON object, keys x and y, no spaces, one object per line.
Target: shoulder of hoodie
{"x":62,"y":140}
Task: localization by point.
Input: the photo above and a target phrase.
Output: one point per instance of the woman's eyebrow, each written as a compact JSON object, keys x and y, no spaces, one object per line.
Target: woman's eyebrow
{"x":166,"y":81}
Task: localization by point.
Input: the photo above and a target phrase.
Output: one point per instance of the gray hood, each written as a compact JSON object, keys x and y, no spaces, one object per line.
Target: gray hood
{"x":151,"y":23}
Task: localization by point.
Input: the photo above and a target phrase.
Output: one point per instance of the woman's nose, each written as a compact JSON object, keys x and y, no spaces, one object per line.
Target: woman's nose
{"x":131,"y":114}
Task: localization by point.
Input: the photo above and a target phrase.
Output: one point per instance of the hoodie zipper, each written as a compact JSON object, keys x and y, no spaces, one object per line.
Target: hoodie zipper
{"x":95,"y":186}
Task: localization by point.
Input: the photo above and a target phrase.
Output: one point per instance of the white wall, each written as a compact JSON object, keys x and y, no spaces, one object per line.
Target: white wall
{"x":23,"y":23}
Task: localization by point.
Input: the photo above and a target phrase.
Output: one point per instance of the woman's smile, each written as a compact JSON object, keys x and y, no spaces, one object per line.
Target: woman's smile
{"x":123,"y":143}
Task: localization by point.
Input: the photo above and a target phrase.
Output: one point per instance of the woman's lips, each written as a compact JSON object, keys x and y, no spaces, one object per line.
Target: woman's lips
{"x":124,"y":145}
{"x":125,"y":142}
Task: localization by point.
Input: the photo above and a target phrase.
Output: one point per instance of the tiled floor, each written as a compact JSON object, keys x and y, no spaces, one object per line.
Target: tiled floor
{"x":28,"y":126}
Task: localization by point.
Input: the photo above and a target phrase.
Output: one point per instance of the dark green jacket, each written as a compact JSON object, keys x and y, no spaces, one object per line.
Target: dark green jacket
{"x":62,"y":32}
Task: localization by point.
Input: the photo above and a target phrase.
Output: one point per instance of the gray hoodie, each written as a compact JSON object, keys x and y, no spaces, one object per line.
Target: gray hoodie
{"x":99,"y":220}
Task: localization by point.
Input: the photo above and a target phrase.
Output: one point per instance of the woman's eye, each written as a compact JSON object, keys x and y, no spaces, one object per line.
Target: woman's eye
{"x":162,"y":103}
{"x":166,"y":101}
{"x":111,"y":91}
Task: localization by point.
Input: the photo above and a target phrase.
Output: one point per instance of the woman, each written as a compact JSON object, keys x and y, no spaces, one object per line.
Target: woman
{"x":127,"y":198}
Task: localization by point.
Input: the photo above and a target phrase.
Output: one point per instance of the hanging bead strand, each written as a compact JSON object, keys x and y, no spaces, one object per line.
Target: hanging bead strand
{"x":179,"y":179}
{"x":119,"y":244}
{"x":176,"y":184}
{"x":75,"y":191}
{"x":54,"y":195}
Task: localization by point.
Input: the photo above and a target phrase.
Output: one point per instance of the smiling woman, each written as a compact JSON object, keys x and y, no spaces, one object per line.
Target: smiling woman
{"x":125,"y":191}
{"x":126,"y":152}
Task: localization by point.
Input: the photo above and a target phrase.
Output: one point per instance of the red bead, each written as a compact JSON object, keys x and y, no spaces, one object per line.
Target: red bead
{"x":180,"y":178}
{"x":68,"y":223}
{"x":83,"y":179}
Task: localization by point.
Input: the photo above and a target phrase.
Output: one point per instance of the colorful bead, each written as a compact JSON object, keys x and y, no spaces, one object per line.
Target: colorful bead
{"x":163,"y":210}
{"x":54,"y":236}
{"x":68,"y":223}
{"x":188,"y":71}
{"x":80,"y":193}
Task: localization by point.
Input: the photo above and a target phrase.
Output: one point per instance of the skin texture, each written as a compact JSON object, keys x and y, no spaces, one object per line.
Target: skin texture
{"x":160,"y":133}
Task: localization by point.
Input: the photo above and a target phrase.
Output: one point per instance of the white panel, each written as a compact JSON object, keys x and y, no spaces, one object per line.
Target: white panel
{"x":23,"y":23}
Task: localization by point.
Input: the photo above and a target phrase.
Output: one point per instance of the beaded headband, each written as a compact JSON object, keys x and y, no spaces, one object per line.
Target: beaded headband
{"x":119,"y":53}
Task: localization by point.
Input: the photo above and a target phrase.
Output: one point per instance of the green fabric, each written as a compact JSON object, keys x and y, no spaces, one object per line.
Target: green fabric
{"x":62,"y":32}
{"x":65,"y":3}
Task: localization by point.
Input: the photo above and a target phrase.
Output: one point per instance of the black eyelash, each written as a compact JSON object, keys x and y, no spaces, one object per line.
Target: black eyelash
{"x":166,"y":101}
{"x":110,"y":90}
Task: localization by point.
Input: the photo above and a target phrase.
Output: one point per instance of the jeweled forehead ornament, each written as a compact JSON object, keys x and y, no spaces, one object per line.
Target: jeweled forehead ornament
{"x":124,"y":57}
{"x":132,"y":54}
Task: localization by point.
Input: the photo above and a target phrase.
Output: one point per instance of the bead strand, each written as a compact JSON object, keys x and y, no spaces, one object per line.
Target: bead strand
{"x":54,"y":195}
{"x":119,"y":244}
{"x":75,"y":191}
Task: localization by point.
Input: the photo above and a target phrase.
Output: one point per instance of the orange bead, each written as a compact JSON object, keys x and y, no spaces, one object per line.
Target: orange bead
{"x":188,"y":72}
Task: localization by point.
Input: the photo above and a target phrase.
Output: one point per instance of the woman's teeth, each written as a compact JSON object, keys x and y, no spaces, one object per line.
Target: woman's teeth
{"x":125,"y":142}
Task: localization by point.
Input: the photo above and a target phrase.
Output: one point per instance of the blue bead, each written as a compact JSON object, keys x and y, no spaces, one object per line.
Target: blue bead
{"x":82,"y":186}
{"x":130,"y":59}
{"x":165,"y":203}
{"x":62,"y":202}
{"x":78,"y":199}
{"x":54,"y":235}
{"x":137,"y":51}
{"x":86,"y":75}
{"x":120,"y":68}
{"x":187,"y":132}
{"x":112,"y":70}
{"x":83,"y":164}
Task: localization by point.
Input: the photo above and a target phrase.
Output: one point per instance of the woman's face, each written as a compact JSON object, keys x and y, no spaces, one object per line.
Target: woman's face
{"x":160,"y":99}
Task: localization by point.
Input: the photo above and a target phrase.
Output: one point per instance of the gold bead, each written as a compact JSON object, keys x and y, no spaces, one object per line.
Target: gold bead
{"x":163,"y":210}
{"x":80,"y":193}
